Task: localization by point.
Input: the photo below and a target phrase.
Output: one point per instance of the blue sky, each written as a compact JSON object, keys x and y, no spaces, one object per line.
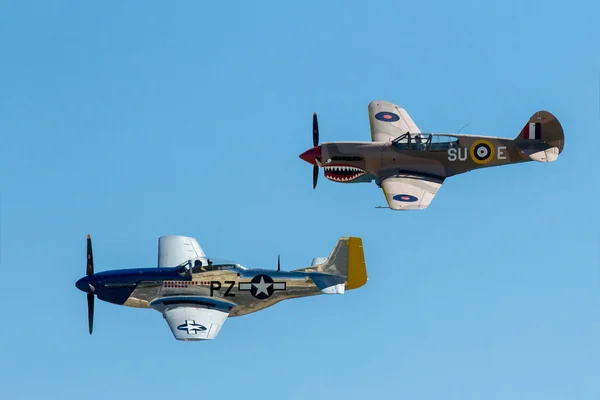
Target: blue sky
{"x":130,"y":120}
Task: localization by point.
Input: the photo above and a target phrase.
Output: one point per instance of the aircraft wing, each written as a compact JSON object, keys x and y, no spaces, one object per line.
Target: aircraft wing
{"x":388,"y":121}
{"x":410,"y":192}
{"x":193,"y":317}
{"x":174,"y":250}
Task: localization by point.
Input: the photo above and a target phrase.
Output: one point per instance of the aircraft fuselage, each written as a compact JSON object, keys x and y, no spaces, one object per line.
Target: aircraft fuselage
{"x":441,"y":156}
{"x":250,"y":290}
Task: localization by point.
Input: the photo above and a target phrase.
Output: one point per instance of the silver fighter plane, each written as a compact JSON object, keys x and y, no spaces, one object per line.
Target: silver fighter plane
{"x":196,"y":295}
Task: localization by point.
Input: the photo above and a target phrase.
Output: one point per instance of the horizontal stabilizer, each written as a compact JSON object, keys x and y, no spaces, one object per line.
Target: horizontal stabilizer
{"x":329,"y":284}
{"x":540,"y":152}
{"x":317,"y":261}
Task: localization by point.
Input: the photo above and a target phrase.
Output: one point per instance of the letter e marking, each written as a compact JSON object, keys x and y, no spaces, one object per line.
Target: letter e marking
{"x":501,"y":155}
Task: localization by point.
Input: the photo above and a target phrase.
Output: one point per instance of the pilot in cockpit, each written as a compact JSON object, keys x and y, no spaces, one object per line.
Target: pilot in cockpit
{"x":198,"y":266}
{"x":418,"y":142}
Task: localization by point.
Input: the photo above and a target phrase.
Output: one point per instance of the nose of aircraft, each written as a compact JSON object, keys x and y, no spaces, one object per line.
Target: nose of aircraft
{"x":84,"y":284}
{"x":310,"y":155}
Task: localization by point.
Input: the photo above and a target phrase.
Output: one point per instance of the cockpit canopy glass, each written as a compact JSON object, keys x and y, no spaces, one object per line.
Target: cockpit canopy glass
{"x":214,"y":264}
{"x":185,"y":268}
{"x":199,"y":266}
{"x":425,"y":141}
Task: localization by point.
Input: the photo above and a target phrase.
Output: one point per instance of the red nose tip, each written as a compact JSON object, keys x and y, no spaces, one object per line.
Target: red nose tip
{"x":310,"y":155}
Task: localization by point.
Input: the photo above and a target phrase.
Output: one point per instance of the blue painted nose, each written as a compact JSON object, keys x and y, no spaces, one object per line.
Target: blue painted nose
{"x":84,"y":284}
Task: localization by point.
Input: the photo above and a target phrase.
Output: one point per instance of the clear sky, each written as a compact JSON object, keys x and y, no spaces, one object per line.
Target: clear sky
{"x":130,"y":120}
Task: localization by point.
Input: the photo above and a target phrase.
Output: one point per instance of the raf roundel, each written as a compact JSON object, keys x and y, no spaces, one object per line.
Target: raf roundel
{"x":387,"y":116}
{"x":405,"y":197}
{"x":482,"y":152}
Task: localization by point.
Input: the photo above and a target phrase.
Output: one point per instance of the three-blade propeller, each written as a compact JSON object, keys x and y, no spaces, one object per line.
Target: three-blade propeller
{"x":90,"y":271}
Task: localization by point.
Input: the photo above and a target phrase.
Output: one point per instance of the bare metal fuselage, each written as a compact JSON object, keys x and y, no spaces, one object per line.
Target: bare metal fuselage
{"x":227,"y":285}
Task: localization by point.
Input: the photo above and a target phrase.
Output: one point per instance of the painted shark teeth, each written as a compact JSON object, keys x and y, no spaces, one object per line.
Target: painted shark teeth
{"x":343,"y":168}
{"x":342,"y":173}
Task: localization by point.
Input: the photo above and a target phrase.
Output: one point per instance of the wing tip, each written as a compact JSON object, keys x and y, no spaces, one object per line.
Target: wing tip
{"x":383,"y":103}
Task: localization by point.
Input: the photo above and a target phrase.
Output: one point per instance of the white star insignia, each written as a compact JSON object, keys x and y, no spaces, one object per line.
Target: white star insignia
{"x":262,"y":287}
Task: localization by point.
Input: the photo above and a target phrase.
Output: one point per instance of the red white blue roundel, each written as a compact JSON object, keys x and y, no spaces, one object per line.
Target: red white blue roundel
{"x":387,"y":116}
{"x":405,"y":197}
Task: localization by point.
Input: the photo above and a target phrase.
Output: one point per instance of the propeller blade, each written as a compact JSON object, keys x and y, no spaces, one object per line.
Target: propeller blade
{"x":90,"y":257}
{"x":315,"y":130}
{"x":90,"y":301}
{"x":315,"y":176}
{"x":89,"y":270}
{"x":278,"y":262}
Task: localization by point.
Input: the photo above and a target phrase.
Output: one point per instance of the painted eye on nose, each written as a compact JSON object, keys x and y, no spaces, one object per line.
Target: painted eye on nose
{"x":328,"y":160}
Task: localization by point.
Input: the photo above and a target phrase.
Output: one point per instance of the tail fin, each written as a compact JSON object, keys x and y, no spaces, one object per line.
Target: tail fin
{"x":542,"y":138}
{"x":346,"y":260}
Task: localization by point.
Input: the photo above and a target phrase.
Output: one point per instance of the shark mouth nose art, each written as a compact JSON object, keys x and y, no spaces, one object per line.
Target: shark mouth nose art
{"x":342,"y":173}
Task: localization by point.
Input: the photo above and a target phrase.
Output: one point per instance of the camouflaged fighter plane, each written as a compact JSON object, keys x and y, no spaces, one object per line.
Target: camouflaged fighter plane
{"x":196,"y":295}
{"x":410,"y":166}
